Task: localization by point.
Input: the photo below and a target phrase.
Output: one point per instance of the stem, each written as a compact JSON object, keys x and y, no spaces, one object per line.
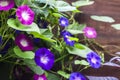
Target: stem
{"x":61,"y":58}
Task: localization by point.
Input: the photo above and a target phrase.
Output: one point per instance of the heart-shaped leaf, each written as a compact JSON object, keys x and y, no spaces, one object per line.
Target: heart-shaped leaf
{"x":82,"y":3}
{"x":23,"y":54}
{"x":15,"y":24}
{"x":116,"y":26}
{"x":80,"y":50}
{"x":103,"y":18}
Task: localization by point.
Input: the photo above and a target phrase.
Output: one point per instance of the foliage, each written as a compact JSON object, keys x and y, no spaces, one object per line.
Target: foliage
{"x":45,"y":34}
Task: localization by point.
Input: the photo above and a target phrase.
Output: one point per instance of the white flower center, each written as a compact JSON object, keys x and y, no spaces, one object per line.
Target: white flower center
{"x":40,"y":78}
{"x":25,"y":15}
{"x":90,"y":32}
{"x":44,"y":60}
{"x":77,"y":78}
{"x":24,"y":43}
{"x":63,"y":22}
{"x":4,"y":3}
{"x":94,"y":60}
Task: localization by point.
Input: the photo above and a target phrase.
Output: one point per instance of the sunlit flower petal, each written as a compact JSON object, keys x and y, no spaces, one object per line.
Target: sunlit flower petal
{"x":6,"y":4}
{"x":44,"y":58}
{"x":25,"y":15}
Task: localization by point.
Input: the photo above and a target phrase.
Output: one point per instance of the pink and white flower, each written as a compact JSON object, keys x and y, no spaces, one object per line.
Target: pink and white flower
{"x":90,"y":32}
{"x":25,"y":14}
{"x":6,"y":4}
{"x":40,"y":77}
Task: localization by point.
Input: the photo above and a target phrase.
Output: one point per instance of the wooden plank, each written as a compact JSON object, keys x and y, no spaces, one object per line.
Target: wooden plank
{"x":107,"y":36}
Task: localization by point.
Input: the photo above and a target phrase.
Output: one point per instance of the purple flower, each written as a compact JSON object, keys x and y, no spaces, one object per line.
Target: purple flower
{"x":25,"y":43}
{"x":25,"y":15}
{"x":63,"y":22}
{"x":66,"y":36}
{"x":90,"y":32}
{"x":39,"y":77}
{"x":44,"y":58}
{"x":94,"y":59}
{"x":76,"y":76}
{"x":6,"y":4}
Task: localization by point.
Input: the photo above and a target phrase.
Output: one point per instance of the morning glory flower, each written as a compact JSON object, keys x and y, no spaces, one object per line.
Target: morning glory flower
{"x":90,"y":32}
{"x":6,"y":4}
{"x":44,"y":58}
{"x":63,"y":22}
{"x":25,"y":14}
{"x":24,"y":42}
{"x":76,"y":76}
{"x":66,"y":36}
{"x":94,"y":60}
{"x":40,"y":77}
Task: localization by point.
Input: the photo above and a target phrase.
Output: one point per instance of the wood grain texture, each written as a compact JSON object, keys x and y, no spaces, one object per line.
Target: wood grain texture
{"x":107,"y":36}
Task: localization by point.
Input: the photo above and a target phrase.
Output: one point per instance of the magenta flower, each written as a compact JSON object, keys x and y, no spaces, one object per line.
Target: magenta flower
{"x":6,"y":4}
{"x":25,"y":15}
{"x":25,"y":43}
{"x":39,"y":77}
{"x":44,"y":58}
{"x":90,"y":32}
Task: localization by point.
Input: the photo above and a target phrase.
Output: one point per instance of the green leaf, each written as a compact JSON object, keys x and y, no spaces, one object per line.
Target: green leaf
{"x":56,"y":14}
{"x":31,"y":64}
{"x":116,"y":26}
{"x":19,"y":2}
{"x":80,"y":50}
{"x":63,"y":6}
{"x":25,"y":54}
{"x":82,"y":3}
{"x":49,"y":2}
{"x":76,"y":28}
{"x":15,"y":24}
{"x":73,"y":39}
{"x":103,"y":18}
{"x":46,"y":33}
{"x":63,"y":74}
{"x":52,"y":77}
{"x":37,"y":35}
{"x":81,"y":62}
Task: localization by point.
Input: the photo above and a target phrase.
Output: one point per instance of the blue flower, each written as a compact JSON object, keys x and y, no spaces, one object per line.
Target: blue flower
{"x":44,"y":58}
{"x":76,"y":76}
{"x":66,"y":36}
{"x":63,"y":22}
{"x":94,"y":59}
